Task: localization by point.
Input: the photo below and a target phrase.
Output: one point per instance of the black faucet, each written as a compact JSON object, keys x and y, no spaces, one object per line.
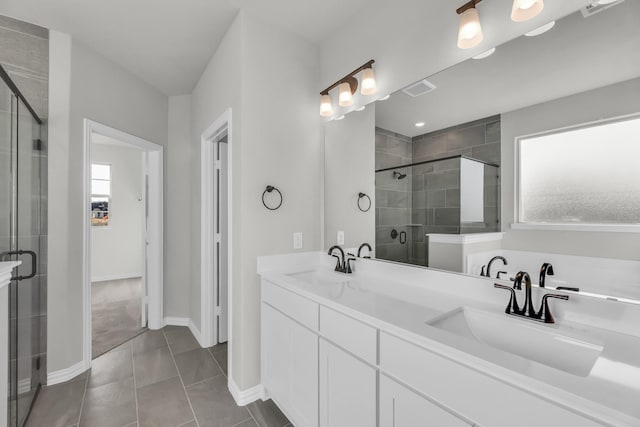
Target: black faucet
{"x":501,"y":258}
{"x":365,"y":245}
{"x":342,"y":265}
{"x":546,"y":268}
{"x":543,"y":315}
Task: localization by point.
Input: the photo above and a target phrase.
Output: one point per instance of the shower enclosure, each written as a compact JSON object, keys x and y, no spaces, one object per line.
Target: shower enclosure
{"x":23,"y":168}
{"x":453,"y":195}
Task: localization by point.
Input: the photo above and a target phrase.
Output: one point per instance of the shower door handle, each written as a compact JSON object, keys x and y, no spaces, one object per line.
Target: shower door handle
{"x":34,"y":263}
{"x":403,"y":237}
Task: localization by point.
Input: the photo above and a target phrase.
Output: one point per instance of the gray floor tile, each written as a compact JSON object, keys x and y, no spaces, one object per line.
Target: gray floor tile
{"x":109,"y":405}
{"x":111,"y":367}
{"x":150,"y":340}
{"x":58,"y":405}
{"x":213,"y":404}
{"x":267,"y":414}
{"x":153,"y":366}
{"x":196,"y":365}
{"x":221,"y":358}
{"x":189,"y":424}
{"x":180,"y":339}
{"x":163,"y":404}
{"x":246,"y":423}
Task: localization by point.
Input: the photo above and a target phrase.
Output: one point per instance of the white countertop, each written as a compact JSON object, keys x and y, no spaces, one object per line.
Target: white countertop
{"x":402,"y":307}
{"x":5,"y":271}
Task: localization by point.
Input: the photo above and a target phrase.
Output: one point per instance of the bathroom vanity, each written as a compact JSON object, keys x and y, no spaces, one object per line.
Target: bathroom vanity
{"x":397,"y":345}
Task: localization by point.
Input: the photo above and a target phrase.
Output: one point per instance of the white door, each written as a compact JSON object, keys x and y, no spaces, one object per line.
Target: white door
{"x":347,"y":389}
{"x":401,"y":407}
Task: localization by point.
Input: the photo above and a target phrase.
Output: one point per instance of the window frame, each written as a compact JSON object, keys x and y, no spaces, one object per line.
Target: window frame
{"x":107,"y":196}
{"x":518,"y":224}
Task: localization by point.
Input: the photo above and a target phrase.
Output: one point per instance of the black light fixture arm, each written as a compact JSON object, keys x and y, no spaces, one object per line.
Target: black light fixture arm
{"x":468,"y":5}
{"x":348,"y":77}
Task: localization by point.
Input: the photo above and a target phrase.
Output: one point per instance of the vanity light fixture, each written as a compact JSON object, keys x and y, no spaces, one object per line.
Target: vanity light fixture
{"x":347,"y":87}
{"x":470,"y":31}
{"x":523,"y":10}
{"x":484,"y":54}
{"x":541,"y":30}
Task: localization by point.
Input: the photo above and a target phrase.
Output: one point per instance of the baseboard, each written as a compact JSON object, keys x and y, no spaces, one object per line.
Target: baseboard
{"x":176,"y":321}
{"x":196,"y":333}
{"x":116,"y":277}
{"x":63,"y":375}
{"x":244,"y":397}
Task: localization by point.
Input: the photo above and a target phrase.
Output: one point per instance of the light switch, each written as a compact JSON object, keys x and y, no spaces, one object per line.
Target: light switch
{"x":340,"y":237}
{"x":297,"y":240}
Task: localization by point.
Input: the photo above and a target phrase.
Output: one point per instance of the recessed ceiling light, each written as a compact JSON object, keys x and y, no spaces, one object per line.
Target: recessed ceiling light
{"x":485,"y":53}
{"x":419,"y":124}
{"x":360,"y":108}
{"x":540,"y":30}
{"x":384,"y":98}
{"x":339,"y":117}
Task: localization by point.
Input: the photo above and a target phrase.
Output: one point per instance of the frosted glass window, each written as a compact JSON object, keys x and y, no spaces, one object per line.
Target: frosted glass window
{"x":583,"y":176}
{"x":100,"y":171}
{"x":100,"y":187}
{"x":100,"y":194}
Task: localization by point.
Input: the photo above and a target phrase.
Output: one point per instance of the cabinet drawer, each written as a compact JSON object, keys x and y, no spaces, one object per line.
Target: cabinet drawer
{"x":350,"y":334}
{"x":474,"y":395}
{"x":299,"y":308}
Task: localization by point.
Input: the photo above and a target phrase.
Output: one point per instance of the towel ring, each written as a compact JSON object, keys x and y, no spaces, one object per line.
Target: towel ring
{"x":269,"y":189}
{"x":360,"y":197}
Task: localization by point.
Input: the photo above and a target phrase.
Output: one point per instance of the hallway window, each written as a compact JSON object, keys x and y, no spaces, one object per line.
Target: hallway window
{"x":100,"y":194}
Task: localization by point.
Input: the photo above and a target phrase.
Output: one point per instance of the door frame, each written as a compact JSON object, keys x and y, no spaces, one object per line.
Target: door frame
{"x":208,"y":294}
{"x":153,"y":165}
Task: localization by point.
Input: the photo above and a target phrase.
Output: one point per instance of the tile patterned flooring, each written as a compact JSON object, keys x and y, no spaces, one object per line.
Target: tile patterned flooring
{"x":115,"y":313}
{"x":159,"y":378}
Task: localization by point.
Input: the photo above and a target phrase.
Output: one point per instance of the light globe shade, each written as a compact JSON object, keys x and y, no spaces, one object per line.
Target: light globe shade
{"x":523,"y":10}
{"x":326,"y":109}
{"x":346,"y":98}
{"x":470,"y":32}
{"x":368,"y":82}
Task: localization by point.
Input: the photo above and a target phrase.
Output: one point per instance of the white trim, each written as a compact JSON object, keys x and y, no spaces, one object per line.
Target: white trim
{"x":464,"y":239}
{"x":196,"y":333}
{"x":176,"y":321}
{"x":117,"y":277}
{"x":611,"y":228}
{"x":244,"y":397}
{"x":207,"y":218}
{"x":153,"y":154}
{"x":64,"y":375}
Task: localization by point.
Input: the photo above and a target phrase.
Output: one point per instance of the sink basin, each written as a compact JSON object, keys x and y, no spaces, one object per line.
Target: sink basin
{"x":321,"y":277}
{"x":550,"y":345}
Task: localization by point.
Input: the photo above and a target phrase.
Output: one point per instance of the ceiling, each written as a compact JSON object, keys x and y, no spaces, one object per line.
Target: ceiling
{"x":578,"y":54}
{"x":168,"y":43}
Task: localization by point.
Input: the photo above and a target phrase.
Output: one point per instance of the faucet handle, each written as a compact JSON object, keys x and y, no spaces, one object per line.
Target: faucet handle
{"x":348,"y":267}
{"x":545,"y":313}
{"x":512,"y":307}
{"x":338,"y":263}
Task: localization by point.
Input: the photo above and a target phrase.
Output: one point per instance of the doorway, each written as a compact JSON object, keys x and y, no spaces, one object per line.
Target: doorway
{"x":216,"y":243}
{"x":123,"y":238}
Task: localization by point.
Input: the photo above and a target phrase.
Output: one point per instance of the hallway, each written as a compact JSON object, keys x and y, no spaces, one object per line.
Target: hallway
{"x":159,"y":379}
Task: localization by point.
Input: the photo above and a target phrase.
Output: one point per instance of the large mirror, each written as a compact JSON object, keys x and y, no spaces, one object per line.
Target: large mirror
{"x":479,"y":160}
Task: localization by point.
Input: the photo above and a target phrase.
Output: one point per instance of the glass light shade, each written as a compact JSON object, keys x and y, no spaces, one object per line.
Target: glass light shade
{"x":346,"y":98}
{"x":470,"y":32}
{"x":523,"y":10}
{"x":368,"y":86}
{"x":326,"y":109}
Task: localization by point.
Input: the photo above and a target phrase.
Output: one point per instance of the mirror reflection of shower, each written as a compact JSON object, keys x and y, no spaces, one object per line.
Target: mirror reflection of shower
{"x":397,"y":175}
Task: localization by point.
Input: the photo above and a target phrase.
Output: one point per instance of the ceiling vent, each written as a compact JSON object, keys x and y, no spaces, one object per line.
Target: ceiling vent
{"x":597,"y":7}
{"x":419,"y":88}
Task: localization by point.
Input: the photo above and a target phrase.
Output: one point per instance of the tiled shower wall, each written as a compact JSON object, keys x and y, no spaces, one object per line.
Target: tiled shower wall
{"x":433,"y":202}
{"x":24,"y":54}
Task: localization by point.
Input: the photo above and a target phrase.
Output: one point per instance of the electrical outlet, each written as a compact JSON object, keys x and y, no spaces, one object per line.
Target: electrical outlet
{"x":297,"y":240}
{"x":340,"y":237}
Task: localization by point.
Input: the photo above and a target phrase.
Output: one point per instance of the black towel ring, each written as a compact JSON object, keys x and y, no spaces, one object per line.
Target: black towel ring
{"x":360,"y":197}
{"x":269,"y":189}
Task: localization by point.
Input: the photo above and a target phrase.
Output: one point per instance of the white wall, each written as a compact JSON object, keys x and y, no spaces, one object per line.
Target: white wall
{"x":413,"y":39}
{"x":610,"y":101}
{"x":177,"y":215}
{"x":270,"y":80}
{"x":116,"y":250}
{"x":349,"y":147}
{"x":83,"y":85}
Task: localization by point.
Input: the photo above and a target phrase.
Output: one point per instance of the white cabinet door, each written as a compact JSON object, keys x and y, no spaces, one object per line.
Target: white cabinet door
{"x":347,"y":389}
{"x":290,"y":366}
{"x":401,"y":407}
